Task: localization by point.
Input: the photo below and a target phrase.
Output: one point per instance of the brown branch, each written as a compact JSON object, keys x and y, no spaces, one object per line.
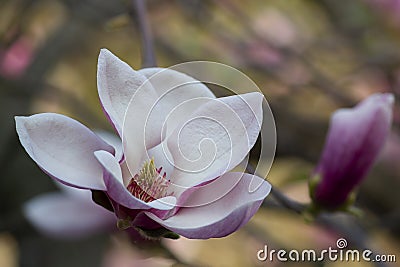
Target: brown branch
{"x":280,"y":197}
{"x":140,"y":15}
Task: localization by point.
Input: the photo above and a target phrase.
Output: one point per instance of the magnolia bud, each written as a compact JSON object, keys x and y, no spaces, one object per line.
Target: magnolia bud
{"x":355,"y":137}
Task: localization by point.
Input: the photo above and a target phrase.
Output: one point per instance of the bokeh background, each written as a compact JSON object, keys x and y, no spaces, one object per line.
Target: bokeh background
{"x":309,"y":57}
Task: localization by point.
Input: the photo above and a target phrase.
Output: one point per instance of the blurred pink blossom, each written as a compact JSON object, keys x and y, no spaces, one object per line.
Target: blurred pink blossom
{"x":389,"y":8}
{"x":16,"y":58}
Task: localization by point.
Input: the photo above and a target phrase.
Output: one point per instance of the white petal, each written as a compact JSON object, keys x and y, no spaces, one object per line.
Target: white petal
{"x":141,"y":130}
{"x":117,"y":82}
{"x":174,"y":90}
{"x":63,"y":148}
{"x":217,"y":138}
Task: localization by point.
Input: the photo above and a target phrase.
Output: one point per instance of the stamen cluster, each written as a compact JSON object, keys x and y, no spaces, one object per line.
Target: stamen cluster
{"x":149,"y":184}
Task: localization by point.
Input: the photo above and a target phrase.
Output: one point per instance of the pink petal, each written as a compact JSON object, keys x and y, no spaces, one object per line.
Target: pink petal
{"x":62,"y":216}
{"x":223,"y":216}
{"x":217,"y":138}
{"x":63,"y":148}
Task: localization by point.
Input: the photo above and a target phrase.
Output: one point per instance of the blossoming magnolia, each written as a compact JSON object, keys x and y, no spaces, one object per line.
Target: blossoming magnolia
{"x":171,"y":168}
{"x":354,"y":140}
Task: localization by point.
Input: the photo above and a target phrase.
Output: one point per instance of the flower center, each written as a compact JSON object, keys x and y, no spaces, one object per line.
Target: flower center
{"x":149,"y":184}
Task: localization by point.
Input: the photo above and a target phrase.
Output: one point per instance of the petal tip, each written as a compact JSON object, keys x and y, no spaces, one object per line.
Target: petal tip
{"x":103,"y":156}
{"x":105,"y":56}
{"x":104,"y":52}
{"x":255,"y":95}
{"x":19,"y":120}
{"x":253,"y":98}
{"x":21,"y":128}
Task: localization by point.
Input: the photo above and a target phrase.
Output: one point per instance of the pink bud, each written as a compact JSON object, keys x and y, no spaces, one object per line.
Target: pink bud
{"x":355,"y":138}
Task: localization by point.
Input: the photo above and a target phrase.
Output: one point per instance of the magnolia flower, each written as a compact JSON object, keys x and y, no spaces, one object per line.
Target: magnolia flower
{"x":171,"y":167}
{"x":354,"y":140}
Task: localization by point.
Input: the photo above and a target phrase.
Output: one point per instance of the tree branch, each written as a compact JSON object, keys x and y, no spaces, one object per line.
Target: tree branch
{"x":140,"y":12}
{"x":280,"y":197}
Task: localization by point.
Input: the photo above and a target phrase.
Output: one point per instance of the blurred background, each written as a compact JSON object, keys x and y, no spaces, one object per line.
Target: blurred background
{"x":308,"y":57}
